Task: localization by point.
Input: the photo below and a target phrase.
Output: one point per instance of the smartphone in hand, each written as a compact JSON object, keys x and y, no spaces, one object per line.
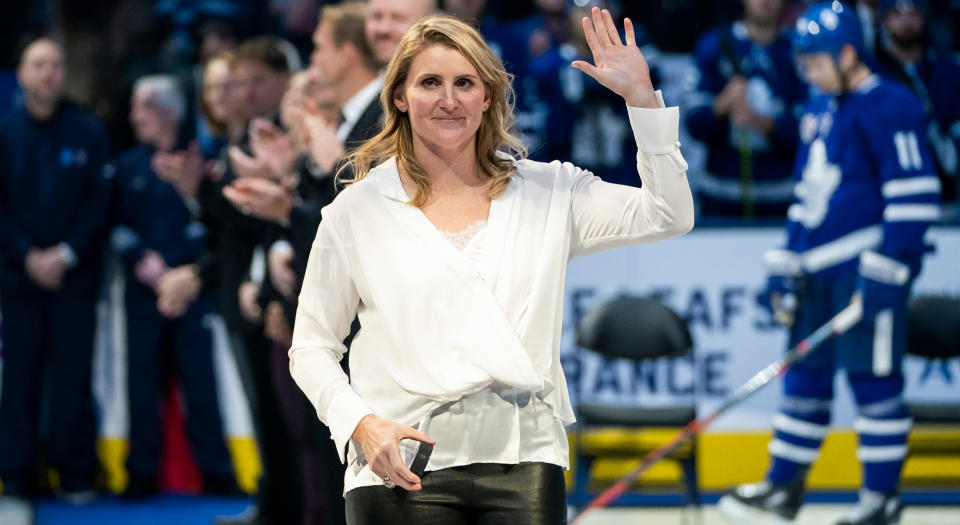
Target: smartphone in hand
{"x":415,"y":455}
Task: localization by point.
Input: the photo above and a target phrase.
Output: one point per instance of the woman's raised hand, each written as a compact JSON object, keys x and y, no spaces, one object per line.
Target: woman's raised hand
{"x":618,"y":66}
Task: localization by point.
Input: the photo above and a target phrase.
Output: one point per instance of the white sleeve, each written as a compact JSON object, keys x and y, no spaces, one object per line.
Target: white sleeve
{"x":328,"y":304}
{"x":280,"y":246}
{"x":607,"y":216}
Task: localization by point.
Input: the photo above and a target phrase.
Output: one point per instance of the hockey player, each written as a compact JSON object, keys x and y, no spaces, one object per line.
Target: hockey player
{"x":866,"y":194}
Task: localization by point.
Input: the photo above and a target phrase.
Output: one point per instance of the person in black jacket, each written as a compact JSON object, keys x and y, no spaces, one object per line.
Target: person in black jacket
{"x":155,"y":232}
{"x":905,"y":54}
{"x":53,"y":199}
{"x":344,"y":62}
{"x":343,"y":75}
{"x":259,"y":70}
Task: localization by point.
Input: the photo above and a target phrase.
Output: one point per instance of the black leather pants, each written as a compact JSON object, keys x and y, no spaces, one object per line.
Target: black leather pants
{"x":478,"y":494}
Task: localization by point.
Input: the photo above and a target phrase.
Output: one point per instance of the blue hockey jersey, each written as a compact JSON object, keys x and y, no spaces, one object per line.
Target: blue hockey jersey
{"x":865,"y":179}
{"x":744,"y":164}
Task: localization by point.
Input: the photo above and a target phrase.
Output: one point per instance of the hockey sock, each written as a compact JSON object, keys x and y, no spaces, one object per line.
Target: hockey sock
{"x":882,"y":426}
{"x":801,"y":423}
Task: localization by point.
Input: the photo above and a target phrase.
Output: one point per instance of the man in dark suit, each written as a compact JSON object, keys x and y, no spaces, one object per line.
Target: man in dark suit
{"x":53,"y":200}
{"x":346,"y":68}
{"x":343,"y":61}
{"x":357,"y":92}
{"x":259,"y":69}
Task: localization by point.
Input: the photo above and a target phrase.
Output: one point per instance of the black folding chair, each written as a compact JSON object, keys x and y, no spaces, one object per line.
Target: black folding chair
{"x":638,"y":329}
{"x":934,"y":333}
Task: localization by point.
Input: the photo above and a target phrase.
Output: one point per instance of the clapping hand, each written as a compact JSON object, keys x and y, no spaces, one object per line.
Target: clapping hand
{"x":731,"y":96}
{"x":248,"y":166}
{"x":324,"y":147}
{"x":273,"y":147}
{"x":743,"y":115}
{"x":263,"y":198}
{"x":184,"y":170}
{"x":732,"y":102}
{"x":619,"y":67}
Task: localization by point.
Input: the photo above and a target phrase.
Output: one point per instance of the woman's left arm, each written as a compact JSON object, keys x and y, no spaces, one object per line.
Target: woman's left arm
{"x":606,"y":215}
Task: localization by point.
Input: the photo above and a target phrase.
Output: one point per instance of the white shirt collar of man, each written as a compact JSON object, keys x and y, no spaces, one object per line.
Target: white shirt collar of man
{"x":357,"y":104}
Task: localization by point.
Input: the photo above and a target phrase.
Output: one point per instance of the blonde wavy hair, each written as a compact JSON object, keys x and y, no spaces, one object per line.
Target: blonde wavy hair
{"x":495,"y":135}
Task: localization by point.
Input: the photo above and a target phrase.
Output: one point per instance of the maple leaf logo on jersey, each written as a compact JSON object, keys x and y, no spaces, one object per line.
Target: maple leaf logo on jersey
{"x":819,"y":181}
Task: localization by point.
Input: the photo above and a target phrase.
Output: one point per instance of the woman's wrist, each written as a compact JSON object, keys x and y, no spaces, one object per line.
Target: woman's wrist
{"x":642,"y":97}
{"x":357,"y":430}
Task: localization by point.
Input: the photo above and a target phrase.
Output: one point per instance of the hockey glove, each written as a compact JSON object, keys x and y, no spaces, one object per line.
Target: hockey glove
{"x":783,"y":284}
{"x":882,"y":283}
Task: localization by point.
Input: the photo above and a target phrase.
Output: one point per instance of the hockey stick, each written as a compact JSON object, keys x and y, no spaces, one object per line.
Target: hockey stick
{"x":839,"y":324}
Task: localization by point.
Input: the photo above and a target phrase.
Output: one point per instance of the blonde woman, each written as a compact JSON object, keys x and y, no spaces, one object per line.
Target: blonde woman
{"x":220,"y":106}
{"x":452,"y":251}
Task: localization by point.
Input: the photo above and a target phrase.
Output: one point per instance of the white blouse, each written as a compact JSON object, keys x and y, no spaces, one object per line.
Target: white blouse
{"x":498,"y":424}
{"x":436,"y":328}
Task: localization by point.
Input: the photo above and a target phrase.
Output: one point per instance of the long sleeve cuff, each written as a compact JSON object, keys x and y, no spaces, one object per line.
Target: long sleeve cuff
{"x":655,"y":130}
{"x":883,"y":269}
{"x":67,"y":254}
{"x":279,"y":246}
{"x":345,"y":412}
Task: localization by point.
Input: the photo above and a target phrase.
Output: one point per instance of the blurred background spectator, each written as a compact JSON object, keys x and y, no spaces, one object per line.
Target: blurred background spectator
{"x":905,"y":52}
{"x":743,"y":106}
{"x":53,"y":204}
{"x":154,"y":232}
